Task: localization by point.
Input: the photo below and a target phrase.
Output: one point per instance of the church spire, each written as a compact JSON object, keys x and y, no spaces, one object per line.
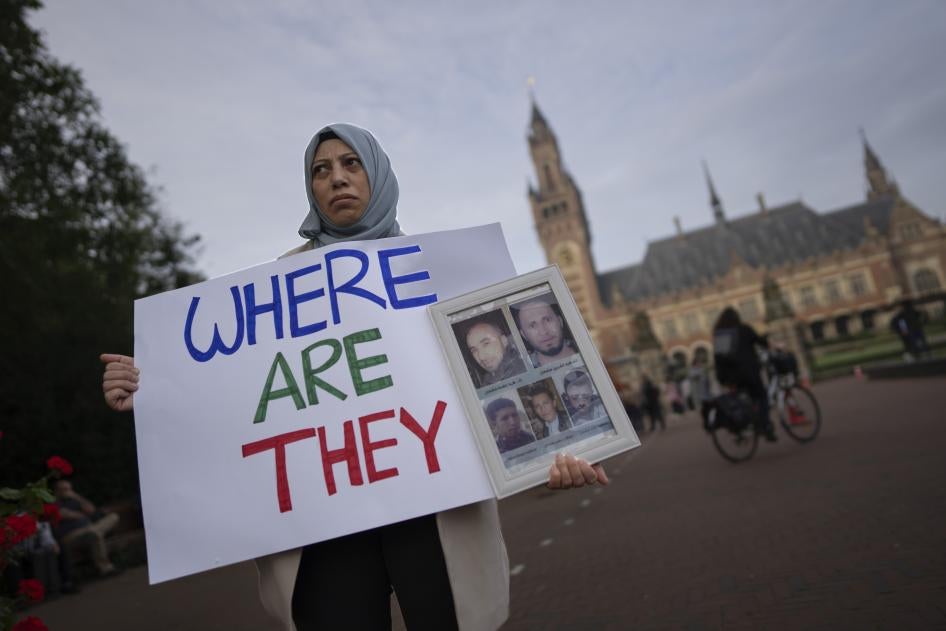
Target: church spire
{"x":714,"y":198}
{"x":539,"y":130}
{"x":559,"y":215}
{"x":879,"y":185}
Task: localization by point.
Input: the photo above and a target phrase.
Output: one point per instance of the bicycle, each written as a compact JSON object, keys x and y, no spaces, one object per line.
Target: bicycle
{"x":730,"y":418}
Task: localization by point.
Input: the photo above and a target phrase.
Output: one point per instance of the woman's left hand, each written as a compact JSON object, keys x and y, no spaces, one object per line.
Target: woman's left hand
{"x":569,"y":472}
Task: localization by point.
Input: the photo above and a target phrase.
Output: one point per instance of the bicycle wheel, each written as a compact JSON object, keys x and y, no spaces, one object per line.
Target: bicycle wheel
{"x":800,"y":416}
{"x":735,"y":446}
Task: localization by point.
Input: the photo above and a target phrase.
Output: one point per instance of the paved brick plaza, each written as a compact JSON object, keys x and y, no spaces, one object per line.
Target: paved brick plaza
{"x":848,"y":532}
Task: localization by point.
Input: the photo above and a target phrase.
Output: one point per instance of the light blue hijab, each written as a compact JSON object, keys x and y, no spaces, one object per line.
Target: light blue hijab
{"x":380,"y":217}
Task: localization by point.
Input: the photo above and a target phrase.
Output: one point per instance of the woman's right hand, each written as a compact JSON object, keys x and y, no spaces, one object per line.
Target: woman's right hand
{"x":120,"y":381}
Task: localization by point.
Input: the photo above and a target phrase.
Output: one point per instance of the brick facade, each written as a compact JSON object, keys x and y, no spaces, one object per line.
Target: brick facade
{"x":840,"y":271}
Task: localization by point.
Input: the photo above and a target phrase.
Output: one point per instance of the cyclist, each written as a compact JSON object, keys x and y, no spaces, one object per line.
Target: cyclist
{"x":737,"y":364}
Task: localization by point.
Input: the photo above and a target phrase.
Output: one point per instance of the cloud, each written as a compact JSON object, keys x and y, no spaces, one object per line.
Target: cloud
{"x":221,"y":99}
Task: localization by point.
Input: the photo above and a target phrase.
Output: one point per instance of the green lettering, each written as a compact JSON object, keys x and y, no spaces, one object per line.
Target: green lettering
{"x":311,"y":381}
{"x":357,"y":365}
{"x":269,"y":394}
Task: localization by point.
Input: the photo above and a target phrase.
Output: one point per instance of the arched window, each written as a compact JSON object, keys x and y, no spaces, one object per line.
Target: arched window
{"x":841,"y":325}
{"x":925,"y":281}
{"x":817,"y":330}
{"x":701,"y":356}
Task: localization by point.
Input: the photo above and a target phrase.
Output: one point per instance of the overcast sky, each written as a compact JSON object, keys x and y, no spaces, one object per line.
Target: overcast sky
{"x":217,"y":100}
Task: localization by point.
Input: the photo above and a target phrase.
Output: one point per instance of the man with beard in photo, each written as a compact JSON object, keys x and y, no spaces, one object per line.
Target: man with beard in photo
{"x":544,"y":330}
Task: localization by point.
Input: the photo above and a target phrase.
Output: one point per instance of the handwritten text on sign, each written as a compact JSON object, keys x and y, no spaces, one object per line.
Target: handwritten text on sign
{"x":322,"y":366}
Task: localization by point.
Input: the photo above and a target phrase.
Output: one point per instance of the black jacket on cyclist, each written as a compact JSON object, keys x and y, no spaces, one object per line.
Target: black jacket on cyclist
{"x":737,"y":364}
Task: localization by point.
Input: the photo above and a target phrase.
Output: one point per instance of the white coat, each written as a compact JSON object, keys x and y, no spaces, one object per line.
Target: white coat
{"x":473,"y":549}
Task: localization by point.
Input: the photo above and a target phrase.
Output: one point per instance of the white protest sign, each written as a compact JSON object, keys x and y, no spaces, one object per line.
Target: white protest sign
{"x":304,"y":399}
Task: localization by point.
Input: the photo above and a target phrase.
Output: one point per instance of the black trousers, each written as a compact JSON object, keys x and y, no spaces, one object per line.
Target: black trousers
{"x":346,"y":583}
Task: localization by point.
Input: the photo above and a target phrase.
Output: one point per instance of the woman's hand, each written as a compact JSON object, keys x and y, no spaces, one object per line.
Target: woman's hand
{"x":570,"y":472}
{"x":120,"y":381}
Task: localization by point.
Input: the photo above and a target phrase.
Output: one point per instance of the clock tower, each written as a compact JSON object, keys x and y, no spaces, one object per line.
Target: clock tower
{"x":560,"y":220}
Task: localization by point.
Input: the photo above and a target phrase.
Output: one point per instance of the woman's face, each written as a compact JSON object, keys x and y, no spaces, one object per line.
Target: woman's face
{"x":339,"y":183}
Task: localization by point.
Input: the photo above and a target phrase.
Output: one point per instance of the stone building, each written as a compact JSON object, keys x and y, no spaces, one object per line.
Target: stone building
{"x":833,"y":273}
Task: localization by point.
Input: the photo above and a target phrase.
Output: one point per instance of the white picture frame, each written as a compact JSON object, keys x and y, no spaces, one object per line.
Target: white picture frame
{"x":530,"y":378}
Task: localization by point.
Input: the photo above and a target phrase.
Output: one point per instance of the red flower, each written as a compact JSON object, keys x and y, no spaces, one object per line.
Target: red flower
{"x":32,"y":589}
{"x":51,"y":513}
{"x":30,"y":623}
{"x":59,"y":464}
{"x":23,"y":527}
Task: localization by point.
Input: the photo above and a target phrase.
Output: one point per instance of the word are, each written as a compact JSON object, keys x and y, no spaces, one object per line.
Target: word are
{"x":348,"y":453}
{"x":246,"y":309}
{"x":310,"y":375}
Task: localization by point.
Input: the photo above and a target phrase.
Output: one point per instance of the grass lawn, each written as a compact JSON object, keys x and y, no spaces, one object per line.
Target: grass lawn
{"x":881,"y":350}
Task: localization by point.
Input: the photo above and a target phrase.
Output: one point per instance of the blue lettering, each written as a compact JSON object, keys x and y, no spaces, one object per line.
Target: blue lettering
{"x":350,"y":287}
{"x":253,"y":310}
{"x":217,"y":343}
{"x":294,"y":301}
{"x":391,"y":281}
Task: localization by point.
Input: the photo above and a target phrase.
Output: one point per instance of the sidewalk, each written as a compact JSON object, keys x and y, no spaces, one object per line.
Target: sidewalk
{"x":844,"y":533}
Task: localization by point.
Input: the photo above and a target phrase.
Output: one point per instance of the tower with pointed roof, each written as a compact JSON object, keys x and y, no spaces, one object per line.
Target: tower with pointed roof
{"x":878,"y":183}
{"x":559,"y":215}
{"x":802,"y":276}
{"x":716,"y":205}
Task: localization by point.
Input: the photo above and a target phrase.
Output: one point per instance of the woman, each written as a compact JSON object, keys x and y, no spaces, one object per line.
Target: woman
{"x":737,"y":364}
{"x":449,"y":570}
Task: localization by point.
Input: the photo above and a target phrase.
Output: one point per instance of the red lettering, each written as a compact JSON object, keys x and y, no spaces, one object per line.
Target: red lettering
{"x":278,"y":444}
{"x":427,"y":437}
{"x":369,"y":447}
{"x":348,"y":453}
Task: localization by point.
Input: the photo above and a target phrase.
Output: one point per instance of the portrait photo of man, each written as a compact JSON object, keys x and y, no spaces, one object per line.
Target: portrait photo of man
{"x":548,"y":415}
{"x":490,"y":352}
{"x":543,"y":330}
{"x":583,"y":402}
{"x":506,"y":422}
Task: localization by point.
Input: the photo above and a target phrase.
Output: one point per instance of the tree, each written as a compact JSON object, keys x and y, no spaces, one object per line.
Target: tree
{"x":81,"y":237}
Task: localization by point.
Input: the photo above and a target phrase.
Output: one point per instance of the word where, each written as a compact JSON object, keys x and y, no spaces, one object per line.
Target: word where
{"x":246,"y":309}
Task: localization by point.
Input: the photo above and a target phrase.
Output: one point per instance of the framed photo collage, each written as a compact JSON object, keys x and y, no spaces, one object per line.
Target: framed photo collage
{"x":530,"y":378}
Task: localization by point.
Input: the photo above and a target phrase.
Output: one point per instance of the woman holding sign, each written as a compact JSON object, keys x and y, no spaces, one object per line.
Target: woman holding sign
{"x":449,"y":570}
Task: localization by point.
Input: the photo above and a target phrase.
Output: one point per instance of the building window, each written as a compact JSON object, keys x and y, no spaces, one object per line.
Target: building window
{"x":841,"y":325}
{"x":709,"y":317}
{"x":701,"y":356}
{"x":910,"y":231}
{"x":867,"y":319}
{"x":925,"y":281}
{"x":817,"y":331}
{"x":548,"y":177}
{"x":807,"y":297}
{"x":749,"y":309}
{"x":858,"y":285}
{"x":691,"y":323}
{"x":832,"y":291}
{"x":670,"y":329}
